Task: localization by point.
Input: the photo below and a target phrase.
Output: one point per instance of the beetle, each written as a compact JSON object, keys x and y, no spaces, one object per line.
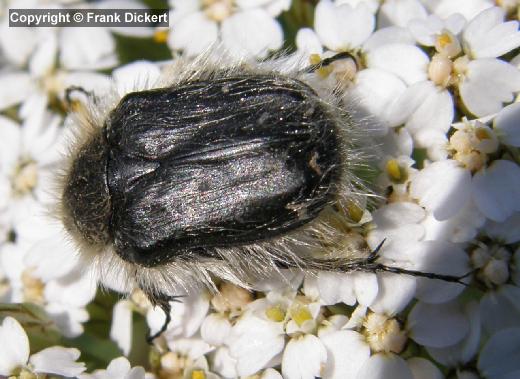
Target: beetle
{"x":227,"y":171}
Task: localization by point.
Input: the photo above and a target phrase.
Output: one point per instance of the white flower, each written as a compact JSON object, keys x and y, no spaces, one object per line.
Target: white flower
{"x":366,"y":350}
{"x":185,"y":356}
{"x":229,"y":303}
{"x":426,"y":108}
{"x":485,"y":38}
{"x":45,"y":81}
{"x":14,"y":355}
{"x":67,"y":297}
{"x":29,"y":154}
{"x":349,"y":288}
{"x":389,"y":59}
{"x":77,"y":47}
{"x":243,"y":27}
{"x":38,"y":90}
{"x":118,"y":368}
{"x":445,"y":187}
{"x":426,"y":31}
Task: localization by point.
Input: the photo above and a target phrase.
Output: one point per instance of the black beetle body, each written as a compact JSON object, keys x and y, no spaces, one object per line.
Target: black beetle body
{"x":217,"y":163}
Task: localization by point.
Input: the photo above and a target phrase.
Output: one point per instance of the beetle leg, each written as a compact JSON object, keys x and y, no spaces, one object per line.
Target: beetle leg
{"x":328,"y":61}
{"x":163,"y":301}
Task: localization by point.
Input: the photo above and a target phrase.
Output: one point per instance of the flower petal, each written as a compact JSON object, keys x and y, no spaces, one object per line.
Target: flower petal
{"x":500,"y":309}
{"x":424,"y":369}
{"x":496,"y":190}
{"x":303,"y":357}
{"x":507,"y":125}
{"x":136,"y":76}
{"x":395,"y":292}
{"x":437,"y":325}
{"x":193,"y":34}
{"x":377,"y":90}
{"x":465,"y":350}
{"x":408,"y":62}
{"x":58,"y":360}
{"x":336,"y":288}
{"x":215,"y":329}
{"x":506,"y":232}
{"x":343,"y":27}
{"x":385,"y":366}
{"x":87,"y":48}
{"x":500,"y":357}
{"x":489,"y":83}
{"x":14,"y":349}
{"x":400,"y":12}
{"x":121,"y":328}
{"x":488,"y":36}
{"x":224,"y":364}
{"x":442,"y":187}
{"x":346,"y":353}
{"x":15,"y":88}
{"x":251,"y":32}
{"x":441,"y":258}
{"x":254,"y":342}
{"x":365,"y":287}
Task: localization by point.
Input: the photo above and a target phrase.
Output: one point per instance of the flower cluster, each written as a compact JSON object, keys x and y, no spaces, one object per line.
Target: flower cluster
{"x":438,"y":79}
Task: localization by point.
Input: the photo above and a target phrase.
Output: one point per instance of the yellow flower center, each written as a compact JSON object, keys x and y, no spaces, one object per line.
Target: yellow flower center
{"x":25,"y":177}
{"x":323,"y":71}
{"x":32,"y":287}
{"x":300,"y":313}
{"x":396,"y":172}
{"x":161,"y":35}
{"x":447,"y":44}
{"x":218,"y":10}
{"x":275,"y":313}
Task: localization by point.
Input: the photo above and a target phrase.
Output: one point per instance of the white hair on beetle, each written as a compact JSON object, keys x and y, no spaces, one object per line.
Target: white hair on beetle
{"x":241,"y":265}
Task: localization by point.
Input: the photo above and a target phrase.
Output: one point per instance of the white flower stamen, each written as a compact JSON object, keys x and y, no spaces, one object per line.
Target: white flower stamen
{"x":383,"y":334}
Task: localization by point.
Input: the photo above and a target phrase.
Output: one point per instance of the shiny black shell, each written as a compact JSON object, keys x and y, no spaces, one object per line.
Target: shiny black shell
{"x":213,"y":163}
